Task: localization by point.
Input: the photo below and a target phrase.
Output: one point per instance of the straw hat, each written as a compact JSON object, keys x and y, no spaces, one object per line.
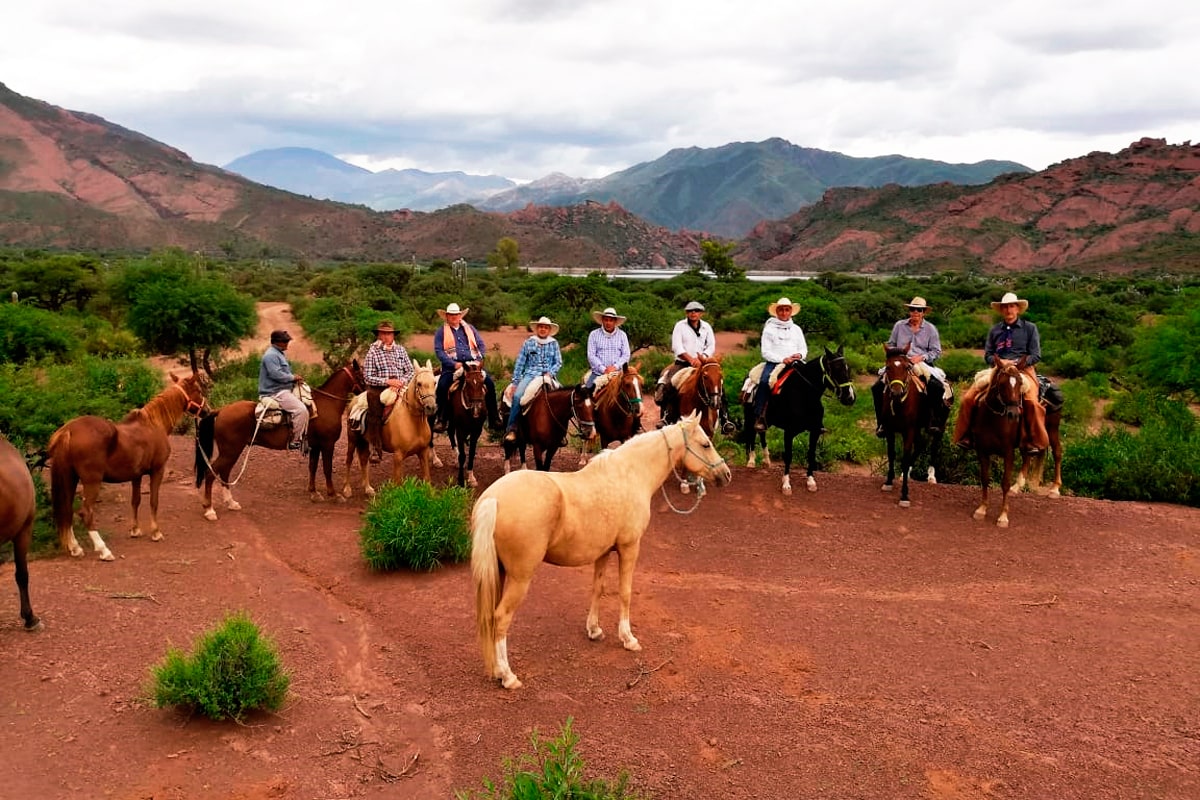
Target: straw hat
{"x":608,"y":312}
{"x":783,"y":301}
{"x":918,"y":303}
{"x":385,"y":326}
{"x":544,"y":320}
{"x":1008,"y":298}
{"x":452,"y":309}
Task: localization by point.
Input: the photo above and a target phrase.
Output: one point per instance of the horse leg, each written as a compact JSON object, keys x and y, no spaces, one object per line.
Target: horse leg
{"x":21,"y":560}
{"x":935,"y":455}
{"x":1006,"y":488}
{"x":351,"y":449}
{"x":327,"y":468}
{"x":462,"y":463}
{"x":135,"y":501}
{"x":474,"y":443}
{"x":425,"y":457}
{"x":64,"y":488}
{"x":206,"y":498}
{"x":906,"y":461}
{"x":762,"y":442}
{"x":1056,"y":447}
{"x":627,"y":558}
{"x":91,"y":491}
{"x":511,"y":599}
{"x":314,"y":455}
{"x":747,"y":411}
{"x":985,"y":477}
{"x":437,"y":462}
{"x":891,"y":456}
{"x":156,"y":479}
{"x":787,"y":461}
{"x":594,"y":631}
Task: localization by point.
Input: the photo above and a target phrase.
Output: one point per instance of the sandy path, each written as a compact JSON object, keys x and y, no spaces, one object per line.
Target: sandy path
{"x":277,"y":316}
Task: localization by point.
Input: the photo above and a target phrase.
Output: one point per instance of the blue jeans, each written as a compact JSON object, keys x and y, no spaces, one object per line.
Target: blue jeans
{"x":764,"y":389}
{"x":515,"y":413}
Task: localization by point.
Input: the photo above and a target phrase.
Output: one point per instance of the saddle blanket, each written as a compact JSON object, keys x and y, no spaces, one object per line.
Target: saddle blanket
{"x":358,"y":407}
{"x":531,"y":390}
{"x":750,"y":385}
{"x":270,"y":414}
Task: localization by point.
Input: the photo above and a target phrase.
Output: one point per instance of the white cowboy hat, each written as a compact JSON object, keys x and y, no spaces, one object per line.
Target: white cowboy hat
{"x":783,"y":301}
{"x":1008,"y":298}
{"x":918,"y":302}
{"x":452,"y":309}
{"x":608,"y":312}
{"x":544,"y":320}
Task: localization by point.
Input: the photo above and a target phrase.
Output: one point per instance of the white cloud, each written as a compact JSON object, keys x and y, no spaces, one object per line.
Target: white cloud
{"x":522,"y":88}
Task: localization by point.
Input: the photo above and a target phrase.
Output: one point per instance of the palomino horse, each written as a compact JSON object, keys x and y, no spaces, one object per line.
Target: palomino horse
{"x":617,"y":407}
{"x":572,"y":519}
{"x":1032,"y":466}
{"x":996,"y":431}
{"x":468,"y":413}
{"x":905,"y":412}
{"x":546,"y":421}
{"x":92,"y":450}
{"x":703,"y":390}
{"x":405,"y":433}
{"x":234,"y":427}
{"x":18,"y":508}
{"x":795,"y":406}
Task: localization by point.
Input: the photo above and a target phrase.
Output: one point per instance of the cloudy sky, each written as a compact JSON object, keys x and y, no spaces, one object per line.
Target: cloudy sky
{"x":523,"y":88}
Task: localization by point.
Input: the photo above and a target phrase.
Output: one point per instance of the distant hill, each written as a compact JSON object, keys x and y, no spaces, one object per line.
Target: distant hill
{"x":325,"y":177}
{"x":727,"y":190}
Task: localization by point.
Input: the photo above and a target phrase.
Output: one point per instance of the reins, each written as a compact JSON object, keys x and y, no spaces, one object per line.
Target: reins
{"x":699,"y":482}
{"x":574,"y":418}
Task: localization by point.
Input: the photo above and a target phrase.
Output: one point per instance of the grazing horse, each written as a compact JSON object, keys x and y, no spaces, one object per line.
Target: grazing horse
{"x":234,"y":427}
{"x":468,"y":413}
{"x":545,"y":422}
{"x":703,"y":390}
{"x":1032,"y":466}
{"x":905,"y":413}
{"x":18,"y":508}
{"x":617,"y":407}
{"x":572,"y":519}
{"x":795,"y":406}
{"x":406,"y":432}
{"x":996,"y":431}
{"x":92,"y":450}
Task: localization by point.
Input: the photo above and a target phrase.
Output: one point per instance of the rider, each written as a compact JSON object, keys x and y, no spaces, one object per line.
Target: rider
{"x":457,"y":343}
{"x":539,"y":357}
{"x":693,"y":342}
{"x":607,"y":346}
{"x":276,"y":380}
{"x":1007,"y":341}
{"x":385,"y":366}
{"x":782,"y":343}
{"x":924,"y":347}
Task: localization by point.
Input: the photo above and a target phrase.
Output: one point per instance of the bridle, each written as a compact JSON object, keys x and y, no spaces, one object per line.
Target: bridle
{"x":711,"y":398}
{"x":827,"y":378}
{"x":471,"y":392}
{"x":629,"y":406}
{"x":413,"y":390}
{"x":582,"y":426}
{"x":712,"y":466}
{"x":995,"y":404}
{"x":193,"y":407}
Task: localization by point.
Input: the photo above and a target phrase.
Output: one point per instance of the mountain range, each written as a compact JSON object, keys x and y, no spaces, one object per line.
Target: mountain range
{"x":723,"y":191}
{"x":72,"y":180}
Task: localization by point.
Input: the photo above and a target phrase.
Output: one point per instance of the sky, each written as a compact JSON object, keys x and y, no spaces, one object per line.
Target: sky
{"x":525,"y":88}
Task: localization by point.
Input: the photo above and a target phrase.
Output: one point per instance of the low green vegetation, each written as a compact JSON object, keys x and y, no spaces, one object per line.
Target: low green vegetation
{"x":232,"y":671}
{"x":416,"y":526}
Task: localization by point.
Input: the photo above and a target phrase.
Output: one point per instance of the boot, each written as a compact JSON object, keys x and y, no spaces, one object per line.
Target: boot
{"x":510,"y":435}
{"x":659,"y":392}
{"x":374,"y":436}
{"x":494,"y":421}
{"x":760,"y":424}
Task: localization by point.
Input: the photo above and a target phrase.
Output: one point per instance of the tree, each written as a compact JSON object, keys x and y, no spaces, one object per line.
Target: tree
{"x":718,"y":261}
{"x":507,"y":254}
{"x":192,"y":315}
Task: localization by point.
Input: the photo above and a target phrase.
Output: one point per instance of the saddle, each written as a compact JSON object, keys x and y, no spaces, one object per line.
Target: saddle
{"x":750,"y":385}
{"x":269,"y":414}
{"x":531,"y":391}
{"x":357,"y":418}
{"x":1049,"y":395}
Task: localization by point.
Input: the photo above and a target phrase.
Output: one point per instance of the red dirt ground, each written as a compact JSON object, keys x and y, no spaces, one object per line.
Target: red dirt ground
{"x":823,"y":645}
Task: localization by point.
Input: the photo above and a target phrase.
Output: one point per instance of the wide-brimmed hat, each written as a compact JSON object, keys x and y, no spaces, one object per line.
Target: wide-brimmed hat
{"x":544,"y":320}
{"x":694,"y":306}
{"x":608,"y":312}
{"x":280,"y":336}
{"x":783,"y":301}
{"x":919,"y":303}
{"x":385,"y":326}
{"x":452,"y":309}
{"x":1009,"y":298}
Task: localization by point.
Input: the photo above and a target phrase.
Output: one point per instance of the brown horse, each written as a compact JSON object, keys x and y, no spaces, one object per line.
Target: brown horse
{"x":92,"y":450}
{"x":617,"y":407}
{"x":703,"y":390}
{"x":18,"y":508}
{"x":234,"y":427}
{"x":905,"y":412}
{"x":572,"y":519}
{"x":406,"y":432}
{"x":545,"y":422}
{"x":996,"y":431}
{"x":468,"y":413}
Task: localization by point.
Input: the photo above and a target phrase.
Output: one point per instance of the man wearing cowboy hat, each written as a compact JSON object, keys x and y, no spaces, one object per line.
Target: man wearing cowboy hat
{"x":607,"y":346}
{"x":458,"y":343}
{"x":924,"y":345}
{"x":386,"y":366}
{"x":693,"y":342}
{"x":1007,"y":341}
{"x":539,"y":358}
{"x":782,"y":343}
{"x":276,"y":380}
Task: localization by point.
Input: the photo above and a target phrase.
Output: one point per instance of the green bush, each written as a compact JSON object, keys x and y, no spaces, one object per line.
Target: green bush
{"x":415,"y":525}
{"x":960,"y":365}
{"x":233,"y":670}
{"x":29,"y":334}
{"x":554,"y":770}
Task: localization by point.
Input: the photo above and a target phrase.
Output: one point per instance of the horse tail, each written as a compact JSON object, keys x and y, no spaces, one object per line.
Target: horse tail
{"x":63,"y":480}
{"x":485,"y":571}
{"x":205,"y":434}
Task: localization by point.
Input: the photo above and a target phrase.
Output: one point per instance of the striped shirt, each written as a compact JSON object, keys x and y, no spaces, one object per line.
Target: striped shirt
{"x":607,"y":349}
{"x":382,"y":364}
{"x":924,"y":341}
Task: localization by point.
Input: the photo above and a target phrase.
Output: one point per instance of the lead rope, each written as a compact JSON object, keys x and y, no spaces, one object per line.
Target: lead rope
{"x":245,"y":460}
{"x":698,"y":483}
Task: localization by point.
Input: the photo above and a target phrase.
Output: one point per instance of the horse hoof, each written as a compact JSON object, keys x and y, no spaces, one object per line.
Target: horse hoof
{"x":684,"y":488}
{"x":135,"y":533}
{"x":596,"y":635}
{"x":510,"y":681}
{"x":812,"y":485}
{"x":316,"y":498}
{"x":347,"y":493}
{"x":887,"y":487}
{"x":370,"y":492}
{"x":35,"y":627}
{"x":76,"y":551}
{"x":210,"y":515}
{"x":233,"y":505}
{"x":157,"y":536}
{"x":787,"y":491}
{"x":1002,"y":522}
{"x":107,"y":556}
{"x":979,"y":514}
{"x":471,"y":481}
{"x":1054,"y":493}
{"x":905,"y":503}
{"x":633,"y":645}
{"x":932,"y":481}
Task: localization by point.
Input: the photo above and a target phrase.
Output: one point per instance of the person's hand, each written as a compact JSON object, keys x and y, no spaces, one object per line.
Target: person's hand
{"x":693,"y":360}
{"x":609,"y":368}
{"x":299,"y":380}
{"x":917,"y":359}
{"x":1006,"y":361}
{"x":396,"y":383}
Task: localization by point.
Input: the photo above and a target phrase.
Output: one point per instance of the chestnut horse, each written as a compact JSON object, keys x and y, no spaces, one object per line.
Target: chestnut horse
{"x":92,"y":450}
{"x":571,"y":519}
{"x":617,"y":407}
{"x":406,"y":432}
{"x":234,"y":427}
{"x":702,"y":389}
{"x":996,"y":431}
{"x":468,"y":413}
{"x":18,"y":508}
{"x":546,"y":421}
{"x":905,"y":412}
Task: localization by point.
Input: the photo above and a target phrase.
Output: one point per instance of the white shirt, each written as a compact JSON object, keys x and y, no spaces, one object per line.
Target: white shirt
{"x":781,"y":339}
{"x":685,"y":340}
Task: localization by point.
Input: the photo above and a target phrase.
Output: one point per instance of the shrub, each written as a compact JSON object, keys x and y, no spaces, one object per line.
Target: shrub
{"x":415,"y":525}
{"x":960,"y":365}
{"x":232,"y":670}
{"x":554,"y":770}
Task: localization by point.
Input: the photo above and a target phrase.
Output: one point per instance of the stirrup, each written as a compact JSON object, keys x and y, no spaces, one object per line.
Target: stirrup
{"x":510,"y":435}
{"x":880,"y":431}
{"x":760,"y":424}
{"x":439,"y":426}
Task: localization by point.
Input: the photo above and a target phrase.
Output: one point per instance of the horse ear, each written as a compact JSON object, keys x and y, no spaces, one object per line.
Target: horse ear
{"x":428,"y":364}
{"x":174,"y":377}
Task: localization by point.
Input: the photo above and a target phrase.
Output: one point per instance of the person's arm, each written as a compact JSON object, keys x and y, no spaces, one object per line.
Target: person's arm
{"x":677,"y":341}
{"x":479,"y":341}
{"x":894,"y":337}
{"x":372,"y":367}
{"x":521,"y":362}
{"x":447,"y":361}
{"x":555,"y":359}
{"x":770,"y":345}
{"x":625,"y":354}
{"x":278,"y":369}
{"x":989,"y":348}
{"x":1033,"y":346}
{"x":708,"y":345}
{"x":407,"y":370}
{"x":801,"y":344}
{"x":933,"y":349}
{"x":593,"y":344}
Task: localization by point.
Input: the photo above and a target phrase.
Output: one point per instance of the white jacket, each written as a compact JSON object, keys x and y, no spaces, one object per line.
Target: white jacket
{"x":781,"y":339}
{"x":685,"y":340}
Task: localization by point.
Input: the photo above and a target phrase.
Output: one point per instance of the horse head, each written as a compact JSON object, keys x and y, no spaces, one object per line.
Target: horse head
{"x":424,"y":387}
{"x":358,"y":381}
{"x":699,"y":456}
{"x":582,"y":411}
{"x":710,"y":383}
{"x":1004,"y":392}
{"x":473,"y":390}
{"x":629,"y":392}
{"x":837,"y":375}
{"x":195,"y":389}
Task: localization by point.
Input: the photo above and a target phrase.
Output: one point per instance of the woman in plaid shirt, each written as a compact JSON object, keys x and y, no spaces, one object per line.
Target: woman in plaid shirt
{"x":539,"y":357}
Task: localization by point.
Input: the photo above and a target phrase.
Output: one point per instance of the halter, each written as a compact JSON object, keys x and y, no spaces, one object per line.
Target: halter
{"x":630,"y":406}
{"x":712,"y":465}
{"x":826,"y":380}
{"x":474,"y":404}
{"x":574,"y":418}
{"x":711,"y":399}
{"x":194,"y":408}
{"x":416,"y":393}
{"x":1003,"y":409}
